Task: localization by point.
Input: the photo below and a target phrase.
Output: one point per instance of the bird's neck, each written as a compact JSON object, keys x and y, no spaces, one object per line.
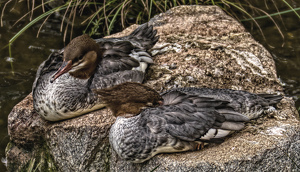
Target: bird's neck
{"x":83,"y":73}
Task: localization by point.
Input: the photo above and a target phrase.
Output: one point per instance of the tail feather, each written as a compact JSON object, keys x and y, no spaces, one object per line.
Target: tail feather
{"x":145,"y":35}
{"x":152,"y":35}
{"x":272,"y":98}
{"x":233,"y":116}
{"x":138,"y":31}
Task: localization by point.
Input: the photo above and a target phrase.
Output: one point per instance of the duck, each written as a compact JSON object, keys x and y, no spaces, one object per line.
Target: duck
{"x":177,"y":120}
{"x":64,"y":81}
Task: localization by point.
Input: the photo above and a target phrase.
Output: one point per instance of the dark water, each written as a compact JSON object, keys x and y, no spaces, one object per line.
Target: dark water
{"x":28,"y":52}
{"x":285,"y":50}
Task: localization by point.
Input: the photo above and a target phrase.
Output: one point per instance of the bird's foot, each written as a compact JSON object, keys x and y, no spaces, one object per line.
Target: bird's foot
{"x":199,"y":146}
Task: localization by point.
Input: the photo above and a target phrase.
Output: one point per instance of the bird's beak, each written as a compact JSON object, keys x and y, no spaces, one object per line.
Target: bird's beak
{"x":65,"y":67}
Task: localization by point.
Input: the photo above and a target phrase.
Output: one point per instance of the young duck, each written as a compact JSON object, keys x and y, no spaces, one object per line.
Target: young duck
{"x":64,"y":82}
{"x":186,"y":119}
{"x":129,"y":99}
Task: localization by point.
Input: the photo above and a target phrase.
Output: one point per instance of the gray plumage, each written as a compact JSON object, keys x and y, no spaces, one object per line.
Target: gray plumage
{"x":189,"y":117}
{"x":249,"y":104}
{"x":124,"y":59}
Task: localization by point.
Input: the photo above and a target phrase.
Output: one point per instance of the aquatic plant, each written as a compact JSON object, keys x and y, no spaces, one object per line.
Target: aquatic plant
{"x":112,"y":13}
{"x":104,"y":18}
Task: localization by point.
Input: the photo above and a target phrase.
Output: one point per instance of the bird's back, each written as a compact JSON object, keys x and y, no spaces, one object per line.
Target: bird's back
{"x":244,"y":102}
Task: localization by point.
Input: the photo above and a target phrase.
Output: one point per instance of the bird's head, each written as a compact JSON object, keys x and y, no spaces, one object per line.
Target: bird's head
{"x":129,"y":98}
{"x":80,"y":59}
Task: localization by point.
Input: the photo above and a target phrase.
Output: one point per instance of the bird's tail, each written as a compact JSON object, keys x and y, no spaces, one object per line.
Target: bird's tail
{"x":272,"y":98}
{"x":145,"y":36}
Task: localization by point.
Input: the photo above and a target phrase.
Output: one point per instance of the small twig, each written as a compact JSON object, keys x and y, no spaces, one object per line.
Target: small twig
{"x":62,"y":21}
{"x":37,"y":35}
{"x":122,"y":14}
{"x":32,"y":9}
{"x":2,"y":14}
{"x":105,"y":17}
{"x":74,"y":16}
{"x":82,"y":8}
{"x":43,"y":6}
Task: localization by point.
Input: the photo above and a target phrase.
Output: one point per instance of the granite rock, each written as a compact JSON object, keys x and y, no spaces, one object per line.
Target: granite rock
{"x":199,"y":46}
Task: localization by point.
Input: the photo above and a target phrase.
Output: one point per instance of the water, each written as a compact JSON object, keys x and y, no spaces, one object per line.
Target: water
{"x":285,"y":51}
{"x":28,"y":52}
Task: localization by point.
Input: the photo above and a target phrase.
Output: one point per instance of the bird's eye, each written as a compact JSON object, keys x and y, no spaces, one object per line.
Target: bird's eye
{"x":80,"y":56}
{"x":77,"y":58}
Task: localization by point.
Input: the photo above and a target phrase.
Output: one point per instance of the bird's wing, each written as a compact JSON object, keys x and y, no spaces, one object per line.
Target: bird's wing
{"x":145,"y":36}
{"x":122,"y":55}
{"x":121,"y":63}
{"x":192,"y":117}
{"x":129,"y":52}
{"x":244,"y":102}
{"x":116,"y":57}
{"x":109,"y":80}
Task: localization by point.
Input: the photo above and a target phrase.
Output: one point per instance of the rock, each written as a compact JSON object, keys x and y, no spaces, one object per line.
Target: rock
{"x":198,"y":46}
{"x":79,"y":144}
